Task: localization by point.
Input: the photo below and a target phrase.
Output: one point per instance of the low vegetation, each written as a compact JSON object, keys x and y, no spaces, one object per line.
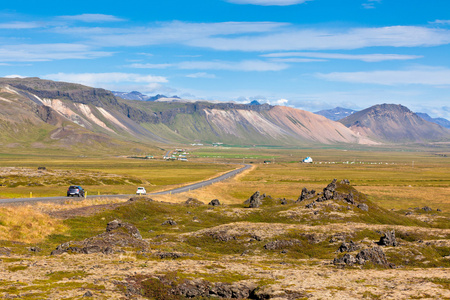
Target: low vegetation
{"x":282,"y":248}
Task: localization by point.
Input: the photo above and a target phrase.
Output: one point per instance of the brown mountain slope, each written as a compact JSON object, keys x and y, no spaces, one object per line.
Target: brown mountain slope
{"x":312,"y":127}
{"x":394,"y":123}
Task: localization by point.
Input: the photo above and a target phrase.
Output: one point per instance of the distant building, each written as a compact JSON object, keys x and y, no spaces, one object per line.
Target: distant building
{"x":307,"y":160}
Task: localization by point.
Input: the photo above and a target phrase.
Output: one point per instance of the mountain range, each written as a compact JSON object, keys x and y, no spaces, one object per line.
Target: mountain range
{"x":48,"y":114}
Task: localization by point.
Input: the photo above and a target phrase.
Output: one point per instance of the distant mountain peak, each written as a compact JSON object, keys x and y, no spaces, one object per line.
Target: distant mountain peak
{"x":255,"y":102}
{"x":336,"y":113}
{"x":394,"y":123}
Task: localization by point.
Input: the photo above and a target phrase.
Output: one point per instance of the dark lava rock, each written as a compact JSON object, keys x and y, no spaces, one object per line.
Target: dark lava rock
{"x":363,"y":207}
{"x":306,"y":195}
{"x":426,"y":208}
{"x":117,"y":234}
{"x":328,"y":192}
{"x":214,"y":202}
{"x":311,"y":205}
{"x":169,"y":222}
{"x":203,"y":288}
{"x":349,"y":198}
{"x":35,"y":249}
{"x":374,"y":255}
{"x":348,"y":247}
{"x":439,"y":210}
{"x":281,"y":244}
{"x":408,"y":213}
{"x":172,"y":255}
{"x":130,"y":229}
{"x":193,"y":202}
{"x":88,"y":294}
{"x":345,"y":181}
{"x":347,"y":259}
{"x":255,"y":200}
{"x":388,"y":239}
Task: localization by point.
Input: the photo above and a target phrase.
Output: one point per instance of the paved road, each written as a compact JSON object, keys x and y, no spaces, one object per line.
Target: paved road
{"x":186,"y":188}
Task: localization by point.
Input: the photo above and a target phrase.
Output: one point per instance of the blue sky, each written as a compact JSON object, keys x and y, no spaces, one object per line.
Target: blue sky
{"x":308,"y":54}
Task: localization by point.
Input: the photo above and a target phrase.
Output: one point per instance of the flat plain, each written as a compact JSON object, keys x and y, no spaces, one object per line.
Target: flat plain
{"x":282,"y":249}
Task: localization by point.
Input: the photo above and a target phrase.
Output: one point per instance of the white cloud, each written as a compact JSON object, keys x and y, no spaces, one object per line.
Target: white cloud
{"x":268,"y":2}
{"x":328,"y":39}
{"x":164,"y":33}
{"x":362,"y":57}
{"x":444,"y":22}
{"x":245,"y":65}
{"x":370,"y":4}
{"x":21,"y":25}
{"x":201,"y":75}
{"x":281,"y":102}
{"x":48,"y":52}
{"x":296,"y":60}
{"x":14,"y":76}
{"x":150,"y":66}
{"x":112,"y":81}
{"x":92,"y":18}
{"x":424,"y":76}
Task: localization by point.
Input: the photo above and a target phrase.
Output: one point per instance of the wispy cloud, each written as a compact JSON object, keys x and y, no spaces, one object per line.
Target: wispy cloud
{"x":92,"y":18}
{"x":362,"y":57}
{"x":245,"y":65}
{"x":268,"y":2}
{"x":424,"y":76}
{"x":259,"y":36}
{"x":48,"y":52}
{"x":150,"y":66}
{"x":329,"y":39}
{"x":370,"y":4}
{"x":113,"y":81}
{"x":444,"y":22}
{"x":166,"y":33}
{"x":21,"y":25}
{"x":201,"y":75}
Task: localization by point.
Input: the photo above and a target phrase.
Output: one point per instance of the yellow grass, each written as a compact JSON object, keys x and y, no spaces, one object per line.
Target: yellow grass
{"x":25,"y":224}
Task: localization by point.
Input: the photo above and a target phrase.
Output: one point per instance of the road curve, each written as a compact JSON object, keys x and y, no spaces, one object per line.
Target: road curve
{"x":183,"y":189}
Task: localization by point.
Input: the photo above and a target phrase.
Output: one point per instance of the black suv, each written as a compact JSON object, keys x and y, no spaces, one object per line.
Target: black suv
{"x":75,"y":190}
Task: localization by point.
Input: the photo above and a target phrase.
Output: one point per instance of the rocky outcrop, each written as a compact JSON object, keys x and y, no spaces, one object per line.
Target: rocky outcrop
{"x":118,"y":234}
{"x":388,"y":239}
{"x":328,"y":192}
{"x":214,"y":202}
{"x":193,"y":202}
{"x":373,"y":255}
{"x":305,"y":195}
{"x":255,"y":200}
{"x":348,"y":247}
{"x":281,"y":244}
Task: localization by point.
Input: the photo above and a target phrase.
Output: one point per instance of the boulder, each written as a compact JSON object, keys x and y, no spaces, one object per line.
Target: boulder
{"x":118,"y":234}
{"x":306,"y":195}
{"x":426,"y":208}
{"x":363,"y":207}
{"x":193,"y":202}
{"x":349,"y":198}
{"x":281,"y":244}
{"x":214,"y":202}
{"x":388,"y":239}
{"x":345,"y":181}
{"x":374,"y":255}
{"x":328,"y":192}
{"x":130,"y":229}
{"x":255,"y":200}
{"x":348,"y":247}
{"x":169,"y":222}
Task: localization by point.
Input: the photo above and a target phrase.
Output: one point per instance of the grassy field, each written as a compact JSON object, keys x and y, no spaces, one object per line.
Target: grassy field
{"x":112,"y":175}
{"x":228,"y":243}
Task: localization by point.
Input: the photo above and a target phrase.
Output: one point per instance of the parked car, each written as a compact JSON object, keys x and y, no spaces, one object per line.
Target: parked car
{"x":141,"y":191}
{"x":75,"y":190}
